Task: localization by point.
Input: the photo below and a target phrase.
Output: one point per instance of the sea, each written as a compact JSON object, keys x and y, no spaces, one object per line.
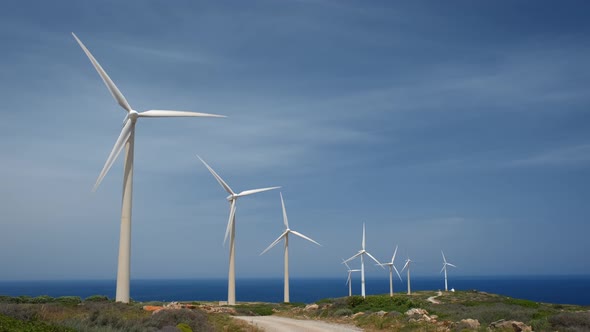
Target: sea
{"x":550,"y":289}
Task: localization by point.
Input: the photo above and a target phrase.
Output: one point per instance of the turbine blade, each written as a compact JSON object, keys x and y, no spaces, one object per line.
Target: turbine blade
{"x":274,"y":243}
{"x":170,"y":113}
{"x":230,"y":222}
{"x":119,"y":144}
{"x":305,"y":237}
{"x":451,"y":265}
{"x":443,"y":268}
{"x":355,"y":270}
{"x":351,"y":258}
{"x":406,"y":265}
{"x":285,"y":220}
{"x":373,"y":258}
{"x":363,"y":236}
{"x":348,"y":267}
{"x":348,"y":279}
{"x":217,"y":177}
{"x":400,"y":277}
{"x":443,"y":254}
{"x":255,"y":191}
{"x":105,"y":78}
{"x":394,"y":253}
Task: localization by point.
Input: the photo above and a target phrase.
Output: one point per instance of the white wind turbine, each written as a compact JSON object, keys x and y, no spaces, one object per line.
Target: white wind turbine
{"x":444,"y":268}
{"x":391,"y":268}
{"x":231,"y":229}
{"x":407,"y":265}
{"x":349,"y":279}
{"x":362,"y":253}
{"x":285,"y":235}
{"x":126,"y":139}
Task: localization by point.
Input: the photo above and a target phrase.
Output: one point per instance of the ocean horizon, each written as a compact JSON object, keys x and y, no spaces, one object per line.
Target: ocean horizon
{"x":550,"y":289}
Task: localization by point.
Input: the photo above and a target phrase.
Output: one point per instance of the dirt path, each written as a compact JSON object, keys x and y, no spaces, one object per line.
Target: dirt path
{"x":283,"y":324}
{"x":432,"y":298}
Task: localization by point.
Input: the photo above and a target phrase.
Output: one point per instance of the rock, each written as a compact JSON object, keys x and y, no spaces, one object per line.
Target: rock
{"x":360,"y":313}
{"x":507,"y":324}
{"x":468,"y":324}
{"x":152,"y":307}
{"x":416,"y":312}
{"x":310,"y":307}
{"x":381,"y":313}
{"x":393,"y":314}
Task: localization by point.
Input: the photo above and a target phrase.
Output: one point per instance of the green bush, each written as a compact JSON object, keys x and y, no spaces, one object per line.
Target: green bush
{"x":96,"y":298}
{"x":571,"y":321}
{"x":43,"y":299}
{"x":184,"y":327}
{"x":342,"y":312}
{"x":69,"y":300}
{"x":522,"y":303}
{"x":255,"y":309}
{"x":8,"y":324}
{"x":354,"y":301}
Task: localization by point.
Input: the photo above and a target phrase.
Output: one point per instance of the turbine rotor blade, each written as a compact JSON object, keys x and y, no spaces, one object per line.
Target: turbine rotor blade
{"x":105,"y":78}
{"x":218,"y":178}
{"x":353,"y":257}
{"x":443,"y":254}
{"x":443,"y":268}
{"x":451,"y":265}
{"x":394,"y":253}
{"x":363,"y":236}
{"x":406,"y":265}
{"x":230,"y":222}
{"x":373,"y":258}
{"x":348,"y":267}
{"x":305,"y":237}
{"x":119,"y":144}
{"x":285,"y":220}
{"x":274,"y":243}
{"x":255,"y":191}
{"x":400,"y":277}
{"x":170,"y":113}
{"x":348,"y":279}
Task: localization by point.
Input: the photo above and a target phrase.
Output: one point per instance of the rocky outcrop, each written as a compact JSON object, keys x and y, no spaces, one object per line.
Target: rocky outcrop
{"x":311,"y":307}
{"x":467,"y":324}
{"x":507,"y":324}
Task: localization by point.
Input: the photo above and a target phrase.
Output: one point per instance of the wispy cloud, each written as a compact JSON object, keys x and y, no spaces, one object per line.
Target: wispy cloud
{"x":564,"y":156}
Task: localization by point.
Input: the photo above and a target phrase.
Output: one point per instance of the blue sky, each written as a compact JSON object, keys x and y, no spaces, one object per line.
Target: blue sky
{"x":464,"y":128}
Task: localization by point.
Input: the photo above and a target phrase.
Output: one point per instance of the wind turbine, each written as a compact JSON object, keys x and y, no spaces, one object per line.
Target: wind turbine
{"x":362,"y":253}
{"x":231,"y":229}
{"x":444,"y":268}
{"x":285,"y":235}
{"x":391,"y":268}
{"x":127,"y":139}
{"x":349,"y":280}
{"x":408,"y":261}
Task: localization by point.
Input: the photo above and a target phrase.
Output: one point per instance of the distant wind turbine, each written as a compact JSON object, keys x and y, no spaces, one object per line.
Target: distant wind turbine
{"x":407,"y":265}
{"x":362,"y":253}
{"x":285,"y":236}
{"x":349,"y":279}
{"x":391,"y":268}
{"x":231,"y":229}
{"x":444,"y":268}
{"x":127,"y":139}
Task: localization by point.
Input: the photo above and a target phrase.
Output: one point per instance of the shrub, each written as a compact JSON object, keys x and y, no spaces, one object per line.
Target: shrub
{"x":342,"y":312}
{"x":69,"y":300}
{"x":571,"y":321}
{"x":96,"y":298}
{"x":522,"y":303}
{"x":195,"y":319}
{"x":184,"y":327}
{"x":255,"y":309}
{"x":42,"y":299}
{"x":355,"y":300}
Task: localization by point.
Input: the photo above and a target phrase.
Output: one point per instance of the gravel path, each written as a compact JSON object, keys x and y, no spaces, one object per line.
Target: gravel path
{"x":283,"y":324}
{"x":432,"y":298}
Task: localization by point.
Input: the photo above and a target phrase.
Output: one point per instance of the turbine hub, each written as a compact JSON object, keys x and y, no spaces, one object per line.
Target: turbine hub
{"x":231,"y":198}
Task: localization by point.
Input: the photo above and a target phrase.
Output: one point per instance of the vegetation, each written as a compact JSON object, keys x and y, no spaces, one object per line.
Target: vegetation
{"x":378,"y":312}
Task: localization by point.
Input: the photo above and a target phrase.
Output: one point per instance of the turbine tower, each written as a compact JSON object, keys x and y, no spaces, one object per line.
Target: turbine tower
{"x":285,"y":235}
{"x":407,"y":265}
{"x":231,"y":229}
{"x":362,"y":253}
{"x":127,"y":139}
{"x":444,"y":268}
{"x":349,"y":279}
{"x":391,"y":268}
